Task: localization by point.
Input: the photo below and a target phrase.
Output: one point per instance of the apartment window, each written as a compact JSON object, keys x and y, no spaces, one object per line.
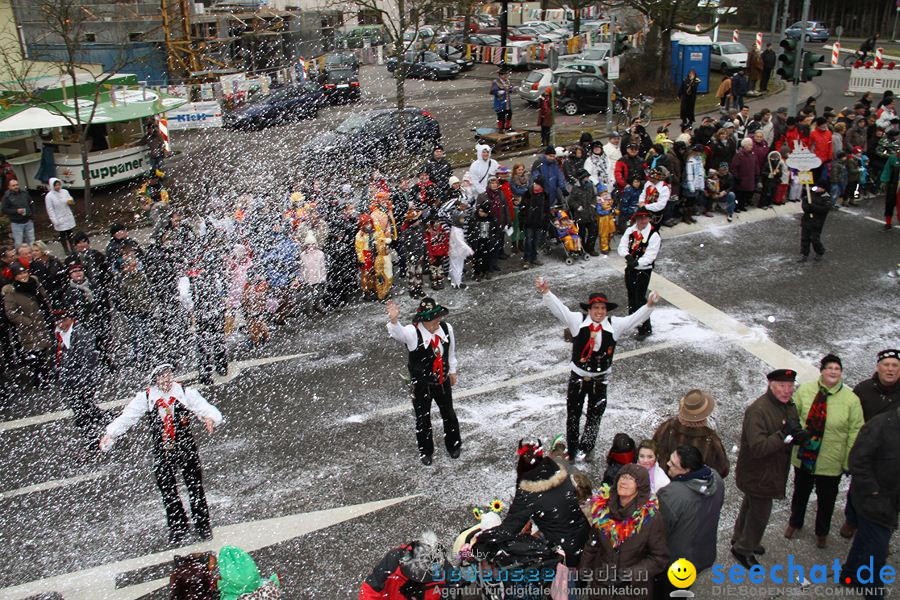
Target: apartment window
{"x":368,"y":17}
{"x":135,"y":36}
{"x":90,"y":37}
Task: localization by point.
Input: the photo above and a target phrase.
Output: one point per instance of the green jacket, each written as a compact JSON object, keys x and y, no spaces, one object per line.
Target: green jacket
{"x":844,"y":420}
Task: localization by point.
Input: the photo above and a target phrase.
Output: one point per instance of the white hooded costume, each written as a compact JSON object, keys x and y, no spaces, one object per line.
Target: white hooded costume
{"x":482,"y":170}
{"x":58,"y":208}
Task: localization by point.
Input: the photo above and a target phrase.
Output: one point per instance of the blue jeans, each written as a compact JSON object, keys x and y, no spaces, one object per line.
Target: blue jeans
{"x":22,"y":233}
{"x":730,"y":203}
{"x":836,"y":190}
{"x":534,"y":239}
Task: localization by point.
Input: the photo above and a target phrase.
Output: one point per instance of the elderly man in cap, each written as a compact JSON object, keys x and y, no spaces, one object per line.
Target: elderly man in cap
{"x":169,"y":405}
{"x":594,"y":336}
{"x":639,"y":247}
{"x":691,"y":427}
{"x":501,"y":90}
{"x":770,"y":429}
{"x":432,"y":369}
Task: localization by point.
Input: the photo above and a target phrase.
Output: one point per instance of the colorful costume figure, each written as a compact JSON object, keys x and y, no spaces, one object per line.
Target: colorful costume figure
{"x":606,"y":220}
{"x":373,"y":256}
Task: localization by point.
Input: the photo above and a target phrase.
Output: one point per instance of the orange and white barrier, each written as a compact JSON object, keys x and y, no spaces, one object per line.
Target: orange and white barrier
{"x":758,"y":44}
{"x":736,"y":36}
{"x":164,"y":132}
{"x":835,"y":53}
{"x":879,"y":52}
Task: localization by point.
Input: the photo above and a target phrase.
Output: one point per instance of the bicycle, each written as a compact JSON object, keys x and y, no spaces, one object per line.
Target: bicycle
{"x":626,"y":109}
{"x":850,"y":60}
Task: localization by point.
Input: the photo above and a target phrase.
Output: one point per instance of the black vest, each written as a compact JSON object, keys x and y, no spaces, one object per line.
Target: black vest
{"x":602,"y":356}
{"x":641,"y":248}
{"x":184,"y":439}
{"x":421,"y":360}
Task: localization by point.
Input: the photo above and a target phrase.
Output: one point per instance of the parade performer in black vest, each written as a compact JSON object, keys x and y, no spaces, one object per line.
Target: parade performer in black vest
{"x":432,"y":368}
{"x":594,"y":339}
{"x":169,"y":406}
{"x":639,"y":246}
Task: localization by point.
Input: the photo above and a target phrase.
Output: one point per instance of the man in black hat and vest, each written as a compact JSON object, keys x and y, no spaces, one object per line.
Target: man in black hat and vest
{"x":594,"y":337}
{"x":639,"y":246}
{"x":432,"y":369}
{"x":170,"y":405}
{"x":770,"y":430}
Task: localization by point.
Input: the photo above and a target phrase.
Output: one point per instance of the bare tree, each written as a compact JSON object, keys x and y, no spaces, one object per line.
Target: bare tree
{"x":64,"y":21}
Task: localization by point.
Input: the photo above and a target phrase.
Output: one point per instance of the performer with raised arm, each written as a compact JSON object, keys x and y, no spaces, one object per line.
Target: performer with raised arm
{"x":593,"y":336}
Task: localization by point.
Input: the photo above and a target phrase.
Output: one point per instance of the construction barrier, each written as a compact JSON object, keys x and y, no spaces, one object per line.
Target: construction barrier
{"x":164,"y":132}
{"x":736,"y":36}
{"x":879,"y":60}
{"x":758,"y":43}
{"x":876,"y":81}
{"x":835,"y":53}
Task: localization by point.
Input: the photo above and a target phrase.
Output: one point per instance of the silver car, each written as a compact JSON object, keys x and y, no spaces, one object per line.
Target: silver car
{"x":539,"y":80}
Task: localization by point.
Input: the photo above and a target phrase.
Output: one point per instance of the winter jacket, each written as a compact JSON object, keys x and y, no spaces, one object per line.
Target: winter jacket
{"x":722,"y":152}
{"x":388,"y":579}
{"x":875,"y":487}
{"x":691,"y":505}
{"x":820,"y":142}
{"x":79,"y":364}
{"x":814,"y":212}
{"x":545,"y":495}
{"x":740,"y":85}
{"x":856,"y":136}
{"x":439,"y":172}
{"x":745,"y":170}
{"x":764,"y":459}
{"x":875,"y":397}
{"x":628,"y":169}
{"x":29,"y":312}
{"x":693,"y":174}
{"x":134,"y":296}
{"x":792,"y":137}
{"x":13,"y":201}
{"x":842,"y":425}
{"x":535,"y":209}
{"x":545,"y":112}
{"x":583,"y":201}
{"x":724,"y":88}
{"x":837,"y":172}
{"x":768,"y":59}
{"x":554,"y":179}
{"x":58,"y":208}
{"x":761,"y":151}
{"x":671,"y":434}
{"x":598,"y":167}
{"x":239,"y":574}
{"x":53,"y":276}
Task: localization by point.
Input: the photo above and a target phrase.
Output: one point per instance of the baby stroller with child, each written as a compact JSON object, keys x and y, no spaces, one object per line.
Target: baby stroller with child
{"x":565,"y":232}
{"x":512,"y":567}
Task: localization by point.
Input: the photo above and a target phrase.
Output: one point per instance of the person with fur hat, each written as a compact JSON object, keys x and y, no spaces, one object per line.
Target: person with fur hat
{"x":597,"y":166}
{"x":639,"y":247}
{"x":593,"y":336}
{"x":432,"y":369}
{"x":545,"y":495}
{"x":627,"y":538}
{"x":691,"y":427}
{"x":408,"y":572}
{"x":169,"y":405}
{"x":770,"y":430}
{"x":833,"y":417}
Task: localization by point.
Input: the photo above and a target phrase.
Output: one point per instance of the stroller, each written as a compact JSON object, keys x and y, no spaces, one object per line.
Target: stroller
{"x":525,"y":559}
{"x":565,"y":232}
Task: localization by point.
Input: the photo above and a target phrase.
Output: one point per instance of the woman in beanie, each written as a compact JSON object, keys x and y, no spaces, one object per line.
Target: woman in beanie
{"x":628,"y":535}
{"x":622,"y":453}
{"x":832,"y":416}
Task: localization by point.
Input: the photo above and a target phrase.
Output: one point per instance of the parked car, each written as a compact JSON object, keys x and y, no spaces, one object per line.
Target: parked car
{"x":341,"y":60}
{"x":579,"y":93}
{"x":425,"y":65}
{"x":539,"y":80}
{"x":485,"y":20}
{"x":513,"y":34}
{"x":597,"y":54}
{"x":815,"y":31}
{"x":455,"y":55}
{"x":727,"y":57}
{"x":548,"y":28}
{"x":358,"y":36}
{"x":369,"y":137}
{"x":425,"y":34}
{"x":341,"y":86}
{"x":540,"y":36}
{"x":290,"y":103}
{"x":585,"y":67}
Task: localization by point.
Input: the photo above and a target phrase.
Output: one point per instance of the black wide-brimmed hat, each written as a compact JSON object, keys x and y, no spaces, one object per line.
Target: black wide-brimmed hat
{"x":429,"y":310}
{"x":598,"y":297}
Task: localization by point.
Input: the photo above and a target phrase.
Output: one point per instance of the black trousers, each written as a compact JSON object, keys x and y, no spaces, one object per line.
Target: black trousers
{"x":504,"y":119}
{"x":545,"y":135}
{"x":744,"y":198}
{"x":811,"y":235}
{"x":871,"y":542}
{"x":751,"y":523}
{"x":423,"y":395}
{"x":826,"y":494}
{"x":211,"y":350}
{"x":636,"y":282}
{"x":588,"y":230}
{"x":764,"y":84}
{"x":65,"y":239}
{"x":595,"y":390}
{"x":188,"y":464}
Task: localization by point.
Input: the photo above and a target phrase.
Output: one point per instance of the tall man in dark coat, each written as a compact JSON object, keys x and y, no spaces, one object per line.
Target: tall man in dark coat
{"x":432,"y":368}
{"x":768,"y":60}
{"x":439,"y":172}
{"x":771,"y":428}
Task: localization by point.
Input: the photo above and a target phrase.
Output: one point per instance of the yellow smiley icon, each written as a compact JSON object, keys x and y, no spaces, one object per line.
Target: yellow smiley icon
{"x":682,"y":573}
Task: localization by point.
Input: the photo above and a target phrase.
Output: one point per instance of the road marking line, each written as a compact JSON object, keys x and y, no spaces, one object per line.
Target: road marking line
{"x":51,"y":485}
{"x":234,"y":369}
{"x":506,"y":383}
{"x":99,"y":583}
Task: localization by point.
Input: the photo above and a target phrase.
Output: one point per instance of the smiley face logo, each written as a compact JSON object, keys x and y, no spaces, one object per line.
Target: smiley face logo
{"x":682,"y":573}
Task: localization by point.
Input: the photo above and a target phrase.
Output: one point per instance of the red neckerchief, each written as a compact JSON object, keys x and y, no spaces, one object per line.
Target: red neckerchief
{"x":589,"y":347}
{"x":437,"y":366}
{"x":169,"y":419}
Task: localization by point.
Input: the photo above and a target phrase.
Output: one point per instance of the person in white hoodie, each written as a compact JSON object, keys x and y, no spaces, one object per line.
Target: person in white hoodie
{"x":647,"y":458}
{"x":613,"y":151}
{"x":482,"y":168}
{"x":59,"y":208}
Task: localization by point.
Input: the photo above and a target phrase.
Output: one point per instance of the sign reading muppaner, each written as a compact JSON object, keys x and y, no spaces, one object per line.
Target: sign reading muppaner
{"x":803,"y":159}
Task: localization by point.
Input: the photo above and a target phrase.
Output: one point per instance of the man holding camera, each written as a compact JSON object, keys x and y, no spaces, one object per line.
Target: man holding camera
{"x":770,"y":431}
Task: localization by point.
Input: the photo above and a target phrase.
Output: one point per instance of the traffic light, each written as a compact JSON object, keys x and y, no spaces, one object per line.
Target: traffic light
{"x":788,"y":59}
{"x":620,"y":44}
{"x":808,"y":70}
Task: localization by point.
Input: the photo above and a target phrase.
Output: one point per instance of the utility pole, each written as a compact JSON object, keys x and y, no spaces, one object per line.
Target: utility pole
{"x":784,"y":17}
{"x":795,"y":88}
{"x":504,"y":29}
{"x":775,"y":17}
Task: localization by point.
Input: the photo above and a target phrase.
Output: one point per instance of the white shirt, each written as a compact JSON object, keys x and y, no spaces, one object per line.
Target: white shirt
{"x":661,"y":199}
{"x":145,"y":401}
{"x":66,"y":335}
{"x":575,"y":321}
{"x":612,"y":153}
{"x":653,"y":242}
{"x":407,"y":334}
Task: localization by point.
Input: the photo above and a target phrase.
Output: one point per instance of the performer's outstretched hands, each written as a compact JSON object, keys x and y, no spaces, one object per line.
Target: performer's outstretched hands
{"x":653,"y":298}
{"x":542,"y":285}
{"x":393,"y":311}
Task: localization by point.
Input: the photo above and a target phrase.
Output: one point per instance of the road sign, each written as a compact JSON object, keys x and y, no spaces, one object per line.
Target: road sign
{"x":613,"y":68}
{"x":803,"y":159}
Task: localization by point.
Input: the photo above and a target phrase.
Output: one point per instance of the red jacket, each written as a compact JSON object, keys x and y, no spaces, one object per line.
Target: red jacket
{"x":387,"y":579}
{"x":792,"y":137}
{"x":821,"y":143}
{"x":507,"y":193}
{"x":545,"y":112}
{"x":438,"y":244}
